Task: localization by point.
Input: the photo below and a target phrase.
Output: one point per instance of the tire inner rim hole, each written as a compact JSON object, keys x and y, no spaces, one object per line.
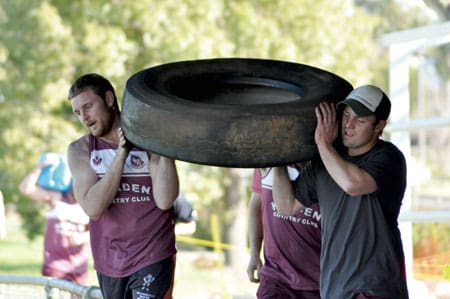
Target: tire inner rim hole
{"x":235,"y":90}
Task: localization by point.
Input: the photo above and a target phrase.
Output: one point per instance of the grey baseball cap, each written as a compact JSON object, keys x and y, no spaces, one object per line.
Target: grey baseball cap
{"x":367,"y":100}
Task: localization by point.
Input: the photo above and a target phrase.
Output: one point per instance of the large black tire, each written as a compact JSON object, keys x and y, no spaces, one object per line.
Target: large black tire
{"x":231,"y":112}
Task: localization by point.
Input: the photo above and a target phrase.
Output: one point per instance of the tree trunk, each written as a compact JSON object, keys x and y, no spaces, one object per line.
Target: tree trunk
{"x":235,"y":224}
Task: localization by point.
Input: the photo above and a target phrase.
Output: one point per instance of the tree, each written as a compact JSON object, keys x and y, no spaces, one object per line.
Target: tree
{"x":46,"y":44}
{"x":441,"y":7}
{"x":32,"y":117}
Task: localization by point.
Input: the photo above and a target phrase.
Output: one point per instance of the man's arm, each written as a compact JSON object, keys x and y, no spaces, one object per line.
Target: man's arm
{"x":165,"y":181}
{"x":95,"y":195}
{"x":255,"y":236}
{"x":352,"y":179}
{"x":283,"y":193}
{"x":28,"y":186}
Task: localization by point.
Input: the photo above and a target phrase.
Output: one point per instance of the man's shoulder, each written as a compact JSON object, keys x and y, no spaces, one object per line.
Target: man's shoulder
{"x":79,"y":145}
{"x":387,"y":153}
{"x":387,"y":146}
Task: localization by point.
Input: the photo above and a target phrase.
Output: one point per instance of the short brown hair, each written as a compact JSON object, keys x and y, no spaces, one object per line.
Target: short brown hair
{"x":95,"y":82}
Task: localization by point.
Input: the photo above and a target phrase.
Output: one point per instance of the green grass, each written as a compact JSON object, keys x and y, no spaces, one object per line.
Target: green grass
{"x":19,"y":256}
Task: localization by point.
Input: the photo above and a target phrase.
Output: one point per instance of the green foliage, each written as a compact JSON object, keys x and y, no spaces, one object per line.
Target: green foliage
{"x":395,"y":17}
{"x":204,"y":187}
{"x":45,"y":44}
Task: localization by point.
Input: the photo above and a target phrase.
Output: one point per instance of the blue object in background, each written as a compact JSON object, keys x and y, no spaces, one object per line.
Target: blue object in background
{"x":55,"y":177}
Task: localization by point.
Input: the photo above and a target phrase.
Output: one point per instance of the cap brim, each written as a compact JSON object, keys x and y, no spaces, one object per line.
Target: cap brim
{"x":357,"y":107}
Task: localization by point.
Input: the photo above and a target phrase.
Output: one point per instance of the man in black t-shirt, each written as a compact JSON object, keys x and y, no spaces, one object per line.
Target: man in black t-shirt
{"x":359,"y":191}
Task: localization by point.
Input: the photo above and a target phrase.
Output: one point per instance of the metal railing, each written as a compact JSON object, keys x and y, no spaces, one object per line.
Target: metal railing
{"x":34,"y":287}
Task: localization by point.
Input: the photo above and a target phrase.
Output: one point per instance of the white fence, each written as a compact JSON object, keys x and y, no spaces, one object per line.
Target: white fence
{"x":33,"y":287}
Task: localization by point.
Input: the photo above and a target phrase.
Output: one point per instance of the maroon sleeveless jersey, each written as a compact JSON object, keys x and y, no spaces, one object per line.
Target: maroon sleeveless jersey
{"x":133,"y":232}
{"x":291,"y":243}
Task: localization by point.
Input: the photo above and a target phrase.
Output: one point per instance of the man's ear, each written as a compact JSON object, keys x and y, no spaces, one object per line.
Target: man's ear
{"x":380,"y":125}
{"x":109,"y":98}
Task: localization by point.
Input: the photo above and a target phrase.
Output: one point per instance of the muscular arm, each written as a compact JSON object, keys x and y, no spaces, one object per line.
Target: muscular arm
{"x":255,"y":235}
{"x":352,"y":179}
{"x":92,"y":194}
{"x":165,"y":181}
{"x":283,"y":193}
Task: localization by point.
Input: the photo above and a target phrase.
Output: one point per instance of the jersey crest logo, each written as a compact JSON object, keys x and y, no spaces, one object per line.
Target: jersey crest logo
{"x":136,"y":161}
{"x":97,"y":160}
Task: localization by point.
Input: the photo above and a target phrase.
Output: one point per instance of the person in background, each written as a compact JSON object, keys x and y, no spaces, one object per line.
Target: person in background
{"x":291,"y":244}
{"x":360,"y":192}
{"x":66,"y":240}
{"x":185,"y":216}
{"x":128,"y":194}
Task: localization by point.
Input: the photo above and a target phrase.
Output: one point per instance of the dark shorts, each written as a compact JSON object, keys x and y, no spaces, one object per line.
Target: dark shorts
{"x":271,"y":289}
{"x":152,"y":282}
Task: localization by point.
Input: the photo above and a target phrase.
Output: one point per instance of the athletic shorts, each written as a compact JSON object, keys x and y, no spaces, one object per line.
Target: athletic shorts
{"x":272,"y":289}
{"x":152,"y":282}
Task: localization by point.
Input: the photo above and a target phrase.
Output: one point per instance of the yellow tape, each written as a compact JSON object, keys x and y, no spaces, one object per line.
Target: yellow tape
{"x":446,"y":272}
{"x":207,"y":243}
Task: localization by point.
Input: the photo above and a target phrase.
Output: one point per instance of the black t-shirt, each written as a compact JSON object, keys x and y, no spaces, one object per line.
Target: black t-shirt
{"x":361,"y":244}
